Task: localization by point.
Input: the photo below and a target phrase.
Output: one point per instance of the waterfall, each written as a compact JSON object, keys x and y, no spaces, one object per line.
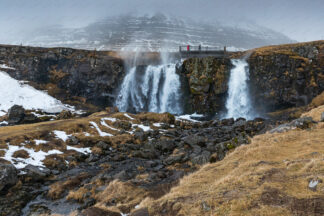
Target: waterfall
{"x":156,"y":89}
{"x":238,"y":102}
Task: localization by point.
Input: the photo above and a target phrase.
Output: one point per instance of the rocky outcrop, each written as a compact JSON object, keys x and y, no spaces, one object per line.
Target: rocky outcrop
{"x":73,"y":76}
{"x":207,"y":80}
{"x":8,"y":175}
{"x":286,"y":76}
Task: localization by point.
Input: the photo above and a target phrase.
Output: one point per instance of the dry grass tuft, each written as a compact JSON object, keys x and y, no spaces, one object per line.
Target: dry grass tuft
{"x":57,"y":189}
{"x":120,"y":195}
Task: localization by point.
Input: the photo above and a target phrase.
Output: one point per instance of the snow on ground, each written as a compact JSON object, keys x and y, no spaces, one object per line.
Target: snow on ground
{"x":189,"y":117}
{"x":109,"y":119}
{"x":3,"y":66}
{"x":106,"y":125}
{"x":145,"y":128}
{"x":100,"y":132}
{"x":37,"y":142}
{"x":128,"y":116}
{"x":12,"y":92}
{"x":35,"y":158}
{"x":61,"y":135}
{"x":81,"y":150}
{"x":3,"y":122}
{"x":157,"y":124}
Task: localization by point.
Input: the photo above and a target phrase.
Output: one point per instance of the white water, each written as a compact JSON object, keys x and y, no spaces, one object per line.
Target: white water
{"x":155,"y":90}
{"x":238,"y":103}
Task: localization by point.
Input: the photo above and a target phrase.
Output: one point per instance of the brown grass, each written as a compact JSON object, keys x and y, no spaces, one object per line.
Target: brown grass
{"x":246,"y":181}
{"x":120,"y":195}
{"x":21,"y":154}
{"x":57,"y":189}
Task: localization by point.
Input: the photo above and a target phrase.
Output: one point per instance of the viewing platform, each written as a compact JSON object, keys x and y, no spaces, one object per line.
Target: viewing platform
{"x":202,"y":51}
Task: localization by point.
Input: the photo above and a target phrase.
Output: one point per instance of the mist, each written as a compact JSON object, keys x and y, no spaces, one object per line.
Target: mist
{"x":298,"y":19}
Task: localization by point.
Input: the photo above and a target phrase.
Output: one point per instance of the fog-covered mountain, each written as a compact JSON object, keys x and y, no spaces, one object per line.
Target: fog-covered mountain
{"x":157,"y":32}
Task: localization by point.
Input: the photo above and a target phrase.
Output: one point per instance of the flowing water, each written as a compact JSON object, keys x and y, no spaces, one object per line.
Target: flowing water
{"x":152,"y":89}
{"x":238,"y":103}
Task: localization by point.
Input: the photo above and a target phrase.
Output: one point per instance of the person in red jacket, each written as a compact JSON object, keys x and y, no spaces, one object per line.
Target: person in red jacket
{"x":188,"y":47}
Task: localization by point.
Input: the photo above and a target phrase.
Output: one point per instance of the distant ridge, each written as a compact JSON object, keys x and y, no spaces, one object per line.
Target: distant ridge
{"x":155,"y":33}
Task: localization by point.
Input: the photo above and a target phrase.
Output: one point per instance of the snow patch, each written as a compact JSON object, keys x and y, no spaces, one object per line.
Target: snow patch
{"x":189,"y":117}
{"x":12,"y":92}
{"x":61,"y":135}
{"x":3,"y":66}
{"x":145,"y":128}
{"x":81,"y":150}
{"x":100,"y":132}
{"x":35,"y":158}
{"x":109,"y":119}
{"x":157,"y":124}
{"x":106,"y":125}
{"x":37,"y":142}
{"x":128,"y":116}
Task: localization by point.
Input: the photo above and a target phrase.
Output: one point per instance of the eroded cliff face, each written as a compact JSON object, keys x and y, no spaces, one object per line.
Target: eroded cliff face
{"x":207,"y":79}
{"x":287,"y":75}
{"x":77,"y":77}
{"x":280,"y":77}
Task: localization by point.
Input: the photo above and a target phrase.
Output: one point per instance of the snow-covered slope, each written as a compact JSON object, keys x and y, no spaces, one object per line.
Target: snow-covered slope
{"x":13,"y":92}
{"x":155,"y":33}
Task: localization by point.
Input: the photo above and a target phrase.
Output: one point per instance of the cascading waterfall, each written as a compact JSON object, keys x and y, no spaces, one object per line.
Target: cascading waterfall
{"x":155,"y":90}
{"x":238,"y":103}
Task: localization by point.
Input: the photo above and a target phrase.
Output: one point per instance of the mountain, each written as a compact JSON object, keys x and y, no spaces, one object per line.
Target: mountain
{"x":154,"y":33}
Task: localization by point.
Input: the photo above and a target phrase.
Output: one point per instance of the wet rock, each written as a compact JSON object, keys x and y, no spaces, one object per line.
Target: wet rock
{"x":8,"y":176}
{"x":72,"y":140}
{"x":30,"y":118}
{"x":202,"y":158}
{"x":146,"y":154}
{"x":165,"y":145}
{"x":102,"y":145}
{"x":140,"y":134}
{"x":36,"y":173}
{"x":38,"y":210}
{"x":123,"y":176}
{"x":16,"y":114}
{"x":194,"y":140}
{"x":227,"y":122}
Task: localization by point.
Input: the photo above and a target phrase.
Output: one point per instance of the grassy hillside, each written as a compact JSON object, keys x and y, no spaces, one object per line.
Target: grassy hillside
{"x":271,"y":176}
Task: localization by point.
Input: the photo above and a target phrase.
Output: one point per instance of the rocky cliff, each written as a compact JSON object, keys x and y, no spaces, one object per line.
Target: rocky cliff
{"x":287,"y":75}
{"x":207,"y":79}
{"x":77,"y":77}
{"x":280,"y":77}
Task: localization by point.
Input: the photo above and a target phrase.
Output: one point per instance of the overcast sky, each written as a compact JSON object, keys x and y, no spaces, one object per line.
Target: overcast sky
{"x":298,"y":19}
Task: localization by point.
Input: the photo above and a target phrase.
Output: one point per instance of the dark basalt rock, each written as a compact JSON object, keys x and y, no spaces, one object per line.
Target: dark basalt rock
{"x":16,"y":114}
{"x":8,"y":176}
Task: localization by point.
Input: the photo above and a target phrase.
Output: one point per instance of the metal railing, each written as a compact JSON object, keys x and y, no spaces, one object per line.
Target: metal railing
{"x":200,"y":49}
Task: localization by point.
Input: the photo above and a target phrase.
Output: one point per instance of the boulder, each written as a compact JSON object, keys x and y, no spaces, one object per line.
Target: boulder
{"x":16,"y":114}
{"x":8,"y":175}
{"x":302,"y":123}
{"x":36,"y":173}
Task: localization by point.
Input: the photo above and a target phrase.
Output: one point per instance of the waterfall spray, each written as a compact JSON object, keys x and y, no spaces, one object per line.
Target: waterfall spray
{"x":238,"y":103}
{"x":155,"y":90}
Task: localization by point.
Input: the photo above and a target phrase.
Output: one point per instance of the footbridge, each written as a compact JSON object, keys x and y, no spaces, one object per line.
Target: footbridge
{"x":202,"y":51}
